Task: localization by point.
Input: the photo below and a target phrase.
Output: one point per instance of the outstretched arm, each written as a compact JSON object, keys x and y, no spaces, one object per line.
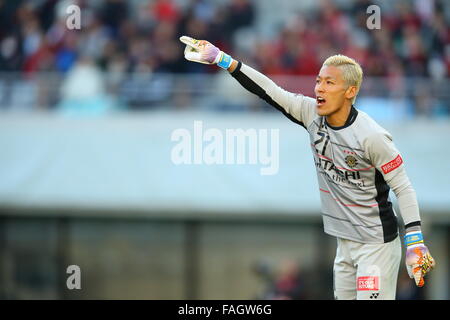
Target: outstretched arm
{"x":297,"y":107}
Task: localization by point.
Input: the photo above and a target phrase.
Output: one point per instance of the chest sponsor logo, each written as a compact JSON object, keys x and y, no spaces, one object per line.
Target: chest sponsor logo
{"x":340,"y":176}
{"x":392,"y":165}
{"x":370,"y":283}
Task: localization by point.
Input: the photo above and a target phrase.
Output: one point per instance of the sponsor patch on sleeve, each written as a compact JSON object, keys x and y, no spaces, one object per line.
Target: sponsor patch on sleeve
{"x":368,"y":283}
{"x":392,"y":165}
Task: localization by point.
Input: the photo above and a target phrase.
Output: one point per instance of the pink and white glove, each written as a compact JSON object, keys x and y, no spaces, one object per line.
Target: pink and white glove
{"x":418,"y":259}
{"x":202,"y":51}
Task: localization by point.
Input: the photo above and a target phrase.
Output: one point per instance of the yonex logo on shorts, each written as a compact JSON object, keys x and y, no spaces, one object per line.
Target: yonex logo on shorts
{"x":368,"y":283}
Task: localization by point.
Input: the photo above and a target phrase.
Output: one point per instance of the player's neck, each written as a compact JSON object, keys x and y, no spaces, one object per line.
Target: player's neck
{"x":339,"y":118}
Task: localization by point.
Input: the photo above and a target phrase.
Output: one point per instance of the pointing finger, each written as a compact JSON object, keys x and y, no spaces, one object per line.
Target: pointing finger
{"x":189,"y":41}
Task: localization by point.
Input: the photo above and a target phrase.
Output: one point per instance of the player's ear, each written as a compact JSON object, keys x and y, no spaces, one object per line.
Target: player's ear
{"x":350,"y":93}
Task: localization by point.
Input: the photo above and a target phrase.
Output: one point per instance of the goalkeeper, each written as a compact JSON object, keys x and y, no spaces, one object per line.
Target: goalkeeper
{"x":357,"y":164}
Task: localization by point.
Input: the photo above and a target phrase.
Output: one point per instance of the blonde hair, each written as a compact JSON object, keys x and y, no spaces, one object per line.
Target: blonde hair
{"x":351,"y":70}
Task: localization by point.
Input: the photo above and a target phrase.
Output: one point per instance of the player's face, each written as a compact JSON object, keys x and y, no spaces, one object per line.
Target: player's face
{"x":330,"y":90}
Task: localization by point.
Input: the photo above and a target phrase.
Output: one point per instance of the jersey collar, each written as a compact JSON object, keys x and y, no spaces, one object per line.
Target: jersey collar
{"x":351,"y":118}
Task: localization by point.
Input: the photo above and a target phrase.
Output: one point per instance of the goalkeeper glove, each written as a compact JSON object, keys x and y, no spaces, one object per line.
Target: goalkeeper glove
{"x":418,"y":259}
{"x":204,"y":52}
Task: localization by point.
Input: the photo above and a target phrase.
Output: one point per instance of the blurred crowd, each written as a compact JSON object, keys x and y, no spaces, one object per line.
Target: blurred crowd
{"x":118,"y":35}
{"x":143,"y":35}
{"x":124,"y":37}
{"x":414,"y":40}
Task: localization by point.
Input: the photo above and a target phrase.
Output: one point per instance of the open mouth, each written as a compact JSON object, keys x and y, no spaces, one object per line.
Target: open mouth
{"x":320,"y":101}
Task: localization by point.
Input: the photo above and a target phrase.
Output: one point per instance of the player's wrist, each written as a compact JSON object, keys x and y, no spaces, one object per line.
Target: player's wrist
{"x":413,"y":238}
{"x":224,"y":60}
{"x":413,"y":234}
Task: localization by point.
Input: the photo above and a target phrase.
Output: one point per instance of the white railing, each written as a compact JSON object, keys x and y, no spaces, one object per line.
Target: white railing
{"x":219,"y":91}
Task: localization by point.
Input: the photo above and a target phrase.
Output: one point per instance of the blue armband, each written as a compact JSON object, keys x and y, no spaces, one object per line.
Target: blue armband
{"x":413,"y":238}
{"x":225,"y":61}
